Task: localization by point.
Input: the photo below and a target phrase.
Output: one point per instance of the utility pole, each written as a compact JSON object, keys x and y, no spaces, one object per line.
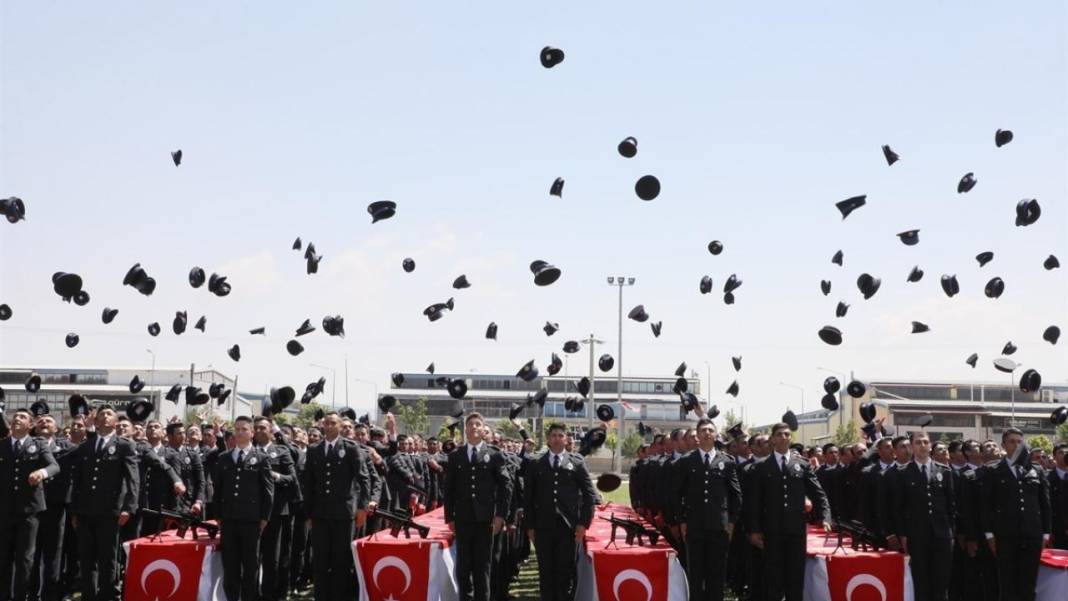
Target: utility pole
{"x":589,"y":404}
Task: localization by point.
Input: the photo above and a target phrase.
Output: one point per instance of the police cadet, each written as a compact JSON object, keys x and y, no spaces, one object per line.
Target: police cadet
{"x":244,"y":493}
{"x":557,"y":510}
{"x":25,"y":463}
{"x":708,"y":503}
{"x":47,"y":561}
{"x":104,"y":484}
{"x":190,"y":469}
{"x":777,"y":518}
{"x":338,"y":497}
{"x":283,"y":474}
{"x":477,"y":491}
{"x":1015,"y":516}
{"x":161,"y":483}
{"x":923,"y":515}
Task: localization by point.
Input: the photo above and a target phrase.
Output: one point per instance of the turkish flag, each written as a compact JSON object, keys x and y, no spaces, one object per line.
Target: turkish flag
{"x":626,"y":575}
{"x":394,"y":569}
{"x":165,"y":570}
{"x":866,"y":577}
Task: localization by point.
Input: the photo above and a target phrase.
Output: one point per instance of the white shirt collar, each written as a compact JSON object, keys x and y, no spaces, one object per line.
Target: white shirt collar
{"x":103,"y":440}
{"x":1063,"y":475}
{"x":22,"y":441}
{"x":237,"y":450}
{"x":710,"y":454}
{"x":928,"y":463}
{"x":559,"y":456}
{"x":779,"y":457}
{"x":158,"y":447}
{"x":477,"y":447}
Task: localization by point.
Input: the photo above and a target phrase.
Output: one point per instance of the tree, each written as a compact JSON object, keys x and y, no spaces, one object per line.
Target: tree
{"x":1040,"y":441}
{"x":846,"y":433}
{"x":413,"y":416}
{"x":305,"y":417}
{"x":507,"y":429}
{"x":611,"y":442}
{"x":1062,"y":433}
{"x":630,"y":445}
{"x":730,"y":418}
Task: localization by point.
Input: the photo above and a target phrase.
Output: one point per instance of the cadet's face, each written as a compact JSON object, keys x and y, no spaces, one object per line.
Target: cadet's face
{"x":123,"y":428}
{"x":557,"y":439}
{"x":261,"y":432}
{"x":903,"y":451}
{"x":348,"y":430}
{"x":831,"y":456}
{"x":46,"y":426}
{"x":20,"y":424}
{"x":105,"y":421}
{"x":193,"y":434}
{"x":433,"y":447}
{"x":940,"y":453}
{"x":242,"y":433}
{"x":1059,"y":459}
{"x":176,"y":438}
{"x":706,"y":435}
{"x":760,"y":446}
{"x":473,"y":430}
{"x":154,"y":432}
{"x":886,"y":452}
{"x":1011,"y":442}
{"x":361,"y":435}
{"x":314,"y":437}
{"x":780,"y":440}
{"x":331,"y":426}
{"x":921,"y":447}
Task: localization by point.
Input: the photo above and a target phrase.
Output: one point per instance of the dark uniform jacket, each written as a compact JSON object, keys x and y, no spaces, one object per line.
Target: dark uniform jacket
{"x":286,"y":489}
{"x":966,"y":485}
{"x":17,"y":497}
{"x":243,"y":492}
{"x":1058,"y":500}
{"x":830,"y":479}
{"x":404,"y":478}
{"x":187,"y":464}
{"x":157,"y":477}
{"x":57,"y":487}
{"x":778,"y":498}
{"x":479,"y":491}
{"x":338,"y":485}
{"x":707,"y":498}
{"x":924,"y":507}
{"x":105,"y":482}
{"x":1015,"y":506}
{"x":565,"y":493}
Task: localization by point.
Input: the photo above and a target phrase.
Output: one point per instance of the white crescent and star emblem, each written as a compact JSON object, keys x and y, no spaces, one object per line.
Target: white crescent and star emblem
{"x":638,"y":576}
{"x":862,"y":579}
{"x":164,"y":565}
{"x":392,"y":561}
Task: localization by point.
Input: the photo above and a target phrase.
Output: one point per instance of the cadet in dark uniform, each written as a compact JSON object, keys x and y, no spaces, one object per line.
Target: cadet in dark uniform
{"x":1058,"y":496}
{"x":51,"y":528}
{"x":104,"y":485}
{"x":283,"y":474}
{"x":339,"y":497}
{"x":708,"y":503}
{"x":557,"y":509}
{"x":923,"y":515}
{"x":161,"y":483}
{"x":477,"y":491}
{"x":186,"y":462}
{"x":1015,"y":515}
{"x":777,"y":516}
{"x":25,"y":463}
{"x":244,"y":493}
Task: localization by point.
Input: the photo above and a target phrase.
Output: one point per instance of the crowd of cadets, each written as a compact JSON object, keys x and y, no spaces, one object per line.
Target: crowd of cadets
{"x":282,"y":494}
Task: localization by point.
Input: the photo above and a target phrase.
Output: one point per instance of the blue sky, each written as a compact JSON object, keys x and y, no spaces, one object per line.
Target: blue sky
{"x":756,"y":119}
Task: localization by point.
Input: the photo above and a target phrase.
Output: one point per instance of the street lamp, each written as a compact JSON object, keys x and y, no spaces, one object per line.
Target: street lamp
{"x":333,"y":383}
{"x":589,"y":405}
{"x":781,"y":383}
{"x":620,"y":282}
{"x":1009,"y":366}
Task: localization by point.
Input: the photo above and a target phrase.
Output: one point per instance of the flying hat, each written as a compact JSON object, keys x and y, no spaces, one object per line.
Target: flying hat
{"x":139,"y":280}
{"x":915,"y":275}
{"x":5,"y":312}
{"x":706,"y":285}
{"x":925,"y":420}
{"x":790,"y":419}
{"x":195,"y":396}
{"x":994,"y":288}
{"x":334,"y":325}
{"x":550,"y":57}
{"x":172,"y":394}
{"x":77,"y":405}
{"x":397,"y":379}
{"x":234,"y":352}
{"x":841,"y":309}
{"x":608,"y":482}
{"x":136,"y":385}
{"x":918,"y":327}
{"x":950,"y":285}
{"x":297,"y":244}
{"x":386,"y":402}
{"x":381,"y":209}
{"x":72,"y":340}
{"x":638,"y":314}
{"x":153,"y":329}
{"x":1052,"y":334}
{"x":13,"y":209}
{"x":305,"y":328}
{"x":825,"y":287}
{"x":554,"y":365}
{"x":215,"y":390}
{"x":550,"y":328}
{"x":856,"y":389}
{"x":831,"y":385}
{"x":593,"y":440}
{"x":82,"y":298}
{"x":647,"y":187}
{"x":260,"y":330}
{"x":680,"y":371}
{"x":966,"y":183}
{"x":408,"y":265}
{"x":605,"y":413}
{"x":972,"y":359}
{"x":715,"y":247}
{"x":430,"y":368}
{"x":732,"y":284}
{"x":197,"y":277}
{"x":1051,"y":263}
{"x":733,"y":389}
{"x":868,"y":285}
{"x":348,"y":412}
{"x":984,"y":257}
{"x":202,"y":323}
{"x":1027,"y":212}
{"x":628,"y":147}
{"x":1002,"y":137}
{"x":544,"y":273}
{"x":1005,"y":365}
{"x":851,"y":204}
{"x":66,"y":285}
{"x":656,"y":326}
{"x":890,"y":156}
{"x":294,"y":348}
{"x":737,"y":363}
{"x":574,"y":404}
{"x":516,"y":410}
{"x":583,"y":386}
{"x":491,"y":331}
{"x":1008,"y":349}
{"x":831,"y":335}
{"x":829,"y":402}
{"x":312,"y":265}
{"x":1059,"y":415}
{"x":457,"y":388}
{"x":33,"y":383}
{"x":910,"y":237}
{"x":643,"y":429}
{"x":537,"y":398}
{"x":571,"y":346}
{"x":689,"y":401}
{"x":280,"y":398}
{"x":837,"y":258}
{"x":606,"y":362}
{"x":139,"y":410}
{"x":1030,"y":381}
{"x":39,"y":408}
{"x":867,"y":412}
{"x":557,"y":189}
{"x":736,"y":431}
{"x":681,"y":385}
{"x":181,"y":320}
{"x":176,"y":157}
{"x":528,"y":372}
{"x":461,"y":282}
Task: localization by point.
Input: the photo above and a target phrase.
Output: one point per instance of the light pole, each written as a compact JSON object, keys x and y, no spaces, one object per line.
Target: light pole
{"x":374,"y":401}
{"x":333,"y":383}
{"x":781,"y":383}
{"x":620,"y":282}
{"x":589,"y":405}
{"x":152,"y":372}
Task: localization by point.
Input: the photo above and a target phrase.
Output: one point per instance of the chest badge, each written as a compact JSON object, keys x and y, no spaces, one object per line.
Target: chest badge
{"x":485,"y":458}
{"x":273,"y":455}
{"x":341,"y":453}
{"x":253,"y":461}
{"x":188,"y":460}
{"x":31,"y":449}
{"x":938,"y":476}
{"x":797,"y":467}
{"x":719,"y":466}
{"x":111,"y":450}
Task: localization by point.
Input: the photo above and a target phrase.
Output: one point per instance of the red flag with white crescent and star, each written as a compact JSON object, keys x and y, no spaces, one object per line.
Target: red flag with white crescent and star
{"x":625,"y":576}
{"x":866,"y":577}
{"x":397,"y":570}
{"x":163,"y":571}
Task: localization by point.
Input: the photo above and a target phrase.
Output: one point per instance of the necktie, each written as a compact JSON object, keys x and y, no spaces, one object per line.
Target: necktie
{"x":18,"y":446}
{"x":329,"y":449}
{"x":240,"y":456}
{"x":707,"y":459}
{"x":923,"y":469}
{"x":784,"y":464}
{"x":474,"y":455}
{"x":556,"y":461}
{"x":99,"y":445}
